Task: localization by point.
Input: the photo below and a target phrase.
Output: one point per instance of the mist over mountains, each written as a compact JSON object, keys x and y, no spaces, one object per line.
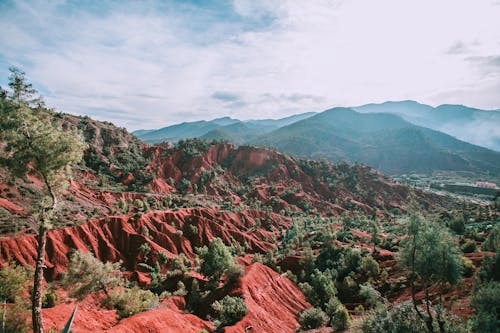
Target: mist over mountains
{"x":479,"y":127}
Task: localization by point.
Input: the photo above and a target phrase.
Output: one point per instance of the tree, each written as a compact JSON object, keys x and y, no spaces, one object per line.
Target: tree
{"x":432,"y":257}
{"x":399,"y":319}
{"x":216,"y":260}
{"x":22,"y":91}
{"x":13,"y":280}
{"x":312,"y":318}
{"x":87,"y":274}
{"x":375,"y":234}
{"x":486,"y":302}
{"x":36,"y":144}
{"x":230,"y":310}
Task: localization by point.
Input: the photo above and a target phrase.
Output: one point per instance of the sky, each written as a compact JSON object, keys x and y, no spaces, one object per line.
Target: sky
{"x":148,"y":64}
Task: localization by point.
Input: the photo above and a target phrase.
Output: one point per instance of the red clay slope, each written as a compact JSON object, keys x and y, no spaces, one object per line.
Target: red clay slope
{"x":161,"y":320}
{"x":273,"y":302}
{"x":91,"y":317}
{"x":120,"y":237}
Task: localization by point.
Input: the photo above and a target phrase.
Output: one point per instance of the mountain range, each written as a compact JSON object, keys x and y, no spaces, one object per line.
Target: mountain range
{"x":479,"y":127}
{"x":393,"y":137}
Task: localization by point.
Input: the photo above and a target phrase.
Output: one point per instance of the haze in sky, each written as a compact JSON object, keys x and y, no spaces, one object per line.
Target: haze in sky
{"x":148,"y":64}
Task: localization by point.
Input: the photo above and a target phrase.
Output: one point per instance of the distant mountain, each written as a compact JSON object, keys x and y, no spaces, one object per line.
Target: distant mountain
{"x":480,"y":127}
{"x":225,"y":128}
{"x":381,"y":140}
{"x":177,"y":132}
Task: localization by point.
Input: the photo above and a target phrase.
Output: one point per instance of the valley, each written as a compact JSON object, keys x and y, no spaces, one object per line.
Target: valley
{"x":207,"y":235}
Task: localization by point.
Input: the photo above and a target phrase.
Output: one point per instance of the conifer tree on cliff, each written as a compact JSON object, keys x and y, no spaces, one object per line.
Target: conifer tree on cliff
{"x":34,"y":143}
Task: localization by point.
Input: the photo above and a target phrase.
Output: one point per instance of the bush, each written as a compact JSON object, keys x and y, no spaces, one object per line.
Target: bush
{"x":13,"y":280}
{"x":332,"y":306}
{"x":490,"y":269}
{"x":370,"y":266}
{"x":469,"y":246}
{"x":371,"y":295}
{"x":312,"y":318}
{"x":468,"y":267}
{"x":457,"y":224}
{"x":15,"y":317}
{"x":50,"y":298}
{"x":230,"y":310}
{"x":184,"y":185}
{"x":359,"y":309}
{"x":320,"y":288}
{"x":234,"y":272}
{"x":129,"y":302}
{"x":216,"y":260}
{"x":492,"y":242}
{"x":400,"y":319}
{"x":486,"y":302}
{"x":87,"y":274}
{"x":340,"y":320}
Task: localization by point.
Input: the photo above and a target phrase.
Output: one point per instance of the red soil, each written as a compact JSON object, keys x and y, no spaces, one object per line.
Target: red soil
{"x":273,"y":302}
{"x":161,"y":320}
{"x":120,"y":237}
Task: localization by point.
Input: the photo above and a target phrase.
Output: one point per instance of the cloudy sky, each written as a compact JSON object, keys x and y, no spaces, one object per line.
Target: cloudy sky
{"x":147,"y":64}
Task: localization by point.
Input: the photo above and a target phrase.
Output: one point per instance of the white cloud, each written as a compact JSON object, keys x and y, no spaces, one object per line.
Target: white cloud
{"x":165,"y":63}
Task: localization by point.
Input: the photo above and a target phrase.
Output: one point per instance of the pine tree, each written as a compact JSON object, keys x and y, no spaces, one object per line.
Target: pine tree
{"x":36,"y":144}
{"x":432,"y":257}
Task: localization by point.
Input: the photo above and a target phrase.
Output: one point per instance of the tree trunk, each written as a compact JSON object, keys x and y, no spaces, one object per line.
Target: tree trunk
{"x":3,"y":314}
{"x":412,"y":278}
{"x":36,"y":312}
{"x":36,"y":304}
{"x":429,"y":320}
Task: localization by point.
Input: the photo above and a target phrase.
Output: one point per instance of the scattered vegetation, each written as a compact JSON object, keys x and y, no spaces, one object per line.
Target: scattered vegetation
{"x":312,"y":318}
{"x":229,"y":310}
{"x":341,"y":256}
{"x":87,"y":275}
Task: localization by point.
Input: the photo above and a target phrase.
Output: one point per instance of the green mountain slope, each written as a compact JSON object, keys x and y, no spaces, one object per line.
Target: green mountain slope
{"x":225,"y":128}
{"x":480,"y":127}
{"x":384,"y":141}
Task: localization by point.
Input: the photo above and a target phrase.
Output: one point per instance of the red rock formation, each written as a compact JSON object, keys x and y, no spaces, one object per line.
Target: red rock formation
{"x":273,"y":302}
{"x":120,"y":237}
{"x":91,"y":317}
{"x":161,"y":320}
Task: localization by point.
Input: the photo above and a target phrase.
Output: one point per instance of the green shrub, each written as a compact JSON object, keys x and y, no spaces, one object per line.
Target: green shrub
{"x":87,"y":274}
{"x":486,"y":302}
{"x":492,"y":242}
{"x":230,"y":310}
{"x":50,"y":298}
{"x":129,"y":302}
{"x":13,"y":279}
{"x":469,"y":246}
{"x":319,"y":289}
{"x":216,"y":260}
{"x":340,"y":320}
{"x":312,"y":318}
{"x":370,"y":266}
{"x":457,"y":224}
{"x":234,"y":272}
{"x":490,"y":269}
{"x":468,"y":267}
{"x":359,"y":309}
{"x":372,"y":296}
{"x":400,"y":319}
{"x":184,"y":185}
{"x":332,"y":306}
{"x":15,"y":317}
